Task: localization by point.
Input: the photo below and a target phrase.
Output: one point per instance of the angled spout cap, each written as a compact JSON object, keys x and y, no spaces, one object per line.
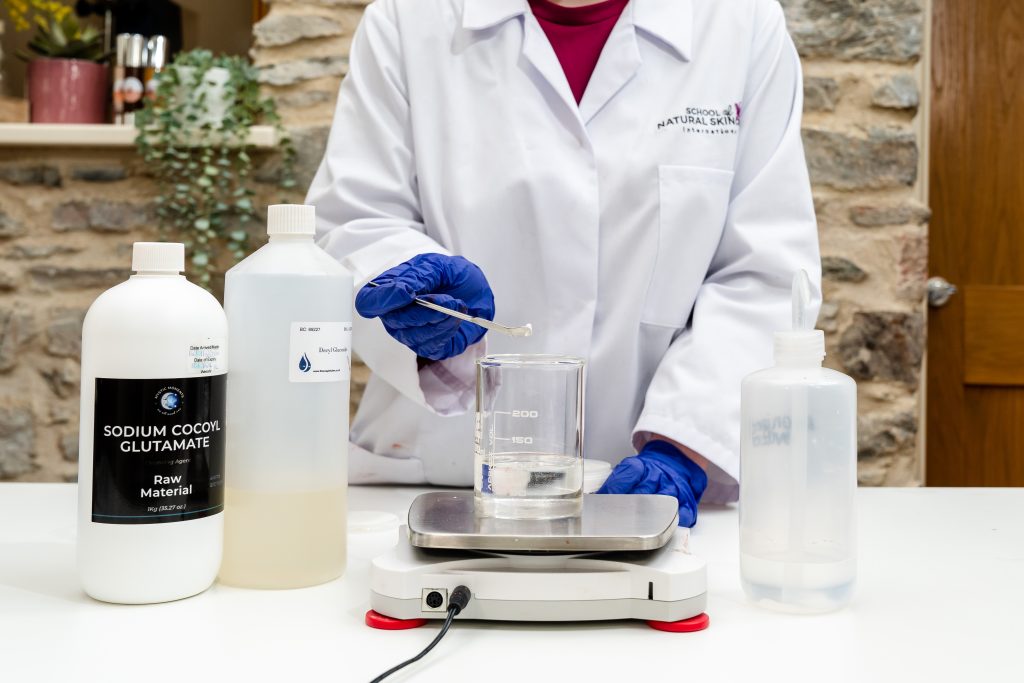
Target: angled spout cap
{"x":802,"y":345}
{"x":802,"y":301}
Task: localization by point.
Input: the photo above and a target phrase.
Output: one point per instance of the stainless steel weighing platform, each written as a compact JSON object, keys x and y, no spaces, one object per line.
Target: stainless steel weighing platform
{"x":447,"y":520}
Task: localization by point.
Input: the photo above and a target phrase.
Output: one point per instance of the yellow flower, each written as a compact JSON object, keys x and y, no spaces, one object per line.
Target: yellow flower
{"x":24,"y":13}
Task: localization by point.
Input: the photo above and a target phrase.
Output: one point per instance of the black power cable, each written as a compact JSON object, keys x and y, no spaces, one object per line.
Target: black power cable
{"x":456,"y":603}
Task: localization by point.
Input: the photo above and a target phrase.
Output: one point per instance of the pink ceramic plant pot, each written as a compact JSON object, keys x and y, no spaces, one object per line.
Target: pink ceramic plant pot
{"x":67,"y":91}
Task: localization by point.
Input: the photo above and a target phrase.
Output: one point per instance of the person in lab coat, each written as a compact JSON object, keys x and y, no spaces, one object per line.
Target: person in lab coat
{"x":636,"y":191}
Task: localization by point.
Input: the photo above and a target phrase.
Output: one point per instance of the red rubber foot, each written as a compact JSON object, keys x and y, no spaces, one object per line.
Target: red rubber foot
{"x":697,"y":623}
{"x":386,"y":623}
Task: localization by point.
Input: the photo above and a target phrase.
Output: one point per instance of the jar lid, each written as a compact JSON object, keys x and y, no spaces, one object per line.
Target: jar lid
{"x":594,"y":474}
{"x":372,"y":521}
{"x":136,"y":52}
{"x":157,"y":49}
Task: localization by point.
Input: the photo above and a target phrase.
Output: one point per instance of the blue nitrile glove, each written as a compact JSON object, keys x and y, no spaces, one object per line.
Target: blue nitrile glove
{"x":449,"y":281}
{"x":661,"y":468}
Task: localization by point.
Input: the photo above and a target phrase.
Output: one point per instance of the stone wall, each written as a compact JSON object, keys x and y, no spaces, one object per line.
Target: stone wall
{"x":67,"y":220}
{"x":66,"y":225}
{"x":301,"y":48}
{"x":862,"y":95}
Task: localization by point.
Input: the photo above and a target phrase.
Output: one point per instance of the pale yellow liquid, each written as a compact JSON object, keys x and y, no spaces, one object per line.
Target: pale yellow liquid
{"x":283,"y":540}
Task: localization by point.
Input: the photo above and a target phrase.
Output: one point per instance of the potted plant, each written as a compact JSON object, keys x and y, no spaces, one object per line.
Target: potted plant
{"x":194,"y":137}
{"x":67,"y":77}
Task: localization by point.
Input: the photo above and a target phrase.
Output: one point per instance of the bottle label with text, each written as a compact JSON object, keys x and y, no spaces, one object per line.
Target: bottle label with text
{"x":158,"y":449}
{"x":320,"y":352}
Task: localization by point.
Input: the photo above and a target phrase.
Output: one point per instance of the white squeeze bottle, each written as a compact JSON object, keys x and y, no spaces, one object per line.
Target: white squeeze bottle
{"x":151,"y":444}
{"x":289,"y":308}
{"x":798,"y":474}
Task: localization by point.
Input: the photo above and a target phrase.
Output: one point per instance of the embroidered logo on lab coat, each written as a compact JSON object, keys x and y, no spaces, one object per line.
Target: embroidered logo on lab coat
{"x":705,"y":120}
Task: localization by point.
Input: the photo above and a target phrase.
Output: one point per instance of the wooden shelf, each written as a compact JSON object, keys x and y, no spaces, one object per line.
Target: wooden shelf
{"x":94,"y":135}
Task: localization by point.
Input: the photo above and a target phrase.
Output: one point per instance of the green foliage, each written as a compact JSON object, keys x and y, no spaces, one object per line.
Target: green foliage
{"x":65,"y":39}
{"x":204,"y":168}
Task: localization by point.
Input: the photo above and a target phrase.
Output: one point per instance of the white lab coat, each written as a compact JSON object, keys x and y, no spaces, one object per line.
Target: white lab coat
{"x":646,"y":229}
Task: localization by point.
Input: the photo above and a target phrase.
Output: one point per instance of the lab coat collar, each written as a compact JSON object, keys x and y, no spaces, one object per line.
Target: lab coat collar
{"x":671,"y":21}
{"x":481,"y":14}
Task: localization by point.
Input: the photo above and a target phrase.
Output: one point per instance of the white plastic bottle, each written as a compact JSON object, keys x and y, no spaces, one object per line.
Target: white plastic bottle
{"x":289,"y":308}
{"x":798,"y":474}
{"x":151,"y":445}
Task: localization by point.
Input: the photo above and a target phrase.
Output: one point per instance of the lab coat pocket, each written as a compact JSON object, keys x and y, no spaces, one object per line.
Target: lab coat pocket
{"x":693,"y":204}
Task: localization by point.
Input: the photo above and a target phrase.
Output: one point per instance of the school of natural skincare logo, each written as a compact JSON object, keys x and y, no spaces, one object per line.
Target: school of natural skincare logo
{"x":706,"y":120}
{"x":169,"y":400}
{"x":304,"y":364}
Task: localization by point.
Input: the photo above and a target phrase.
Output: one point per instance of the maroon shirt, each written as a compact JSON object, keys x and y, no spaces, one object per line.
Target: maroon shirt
{"x":578,"y":35}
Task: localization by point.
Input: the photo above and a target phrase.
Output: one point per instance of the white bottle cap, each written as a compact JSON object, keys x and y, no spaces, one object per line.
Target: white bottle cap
{"x":291,"y":219}
{"x":158,"y":257}
{"x":799,"y":346}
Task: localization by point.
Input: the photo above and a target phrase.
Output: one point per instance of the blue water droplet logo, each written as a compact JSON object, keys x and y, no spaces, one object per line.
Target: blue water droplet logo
{"x":304,"y":364}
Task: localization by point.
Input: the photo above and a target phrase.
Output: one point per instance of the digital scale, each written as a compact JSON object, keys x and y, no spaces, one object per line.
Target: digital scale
{"x":623,"y":558}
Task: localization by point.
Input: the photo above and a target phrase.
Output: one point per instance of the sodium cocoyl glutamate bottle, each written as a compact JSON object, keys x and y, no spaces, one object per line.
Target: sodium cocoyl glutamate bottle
{"x":289,"y":308}
{"x":151,"y":445}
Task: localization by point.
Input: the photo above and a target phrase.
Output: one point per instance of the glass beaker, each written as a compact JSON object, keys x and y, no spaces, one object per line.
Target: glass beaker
{"x":529,"y":436}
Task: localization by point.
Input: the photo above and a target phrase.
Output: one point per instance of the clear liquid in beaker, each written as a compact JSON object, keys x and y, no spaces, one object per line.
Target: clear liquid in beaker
{"x":529,"y":485}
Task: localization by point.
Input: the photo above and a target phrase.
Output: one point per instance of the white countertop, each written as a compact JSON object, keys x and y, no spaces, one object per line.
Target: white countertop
{"x":940,"y":598}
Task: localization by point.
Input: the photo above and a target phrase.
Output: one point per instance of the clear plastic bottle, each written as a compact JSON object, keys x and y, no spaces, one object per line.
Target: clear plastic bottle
{"x":151,"y":444}
{"x":289,"y":308}
{"x":798,"y":474}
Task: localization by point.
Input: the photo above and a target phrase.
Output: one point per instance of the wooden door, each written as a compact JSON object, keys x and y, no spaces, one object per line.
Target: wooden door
{"x":976,"y":341}
{"x":260,"y":8}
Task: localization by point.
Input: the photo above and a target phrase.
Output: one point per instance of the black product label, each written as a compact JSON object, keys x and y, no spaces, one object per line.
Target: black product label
{"x":158,"y":449}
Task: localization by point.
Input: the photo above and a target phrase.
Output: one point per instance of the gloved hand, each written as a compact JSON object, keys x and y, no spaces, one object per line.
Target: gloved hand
{"x":449,"y":281}
{"x":661,"y":468}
